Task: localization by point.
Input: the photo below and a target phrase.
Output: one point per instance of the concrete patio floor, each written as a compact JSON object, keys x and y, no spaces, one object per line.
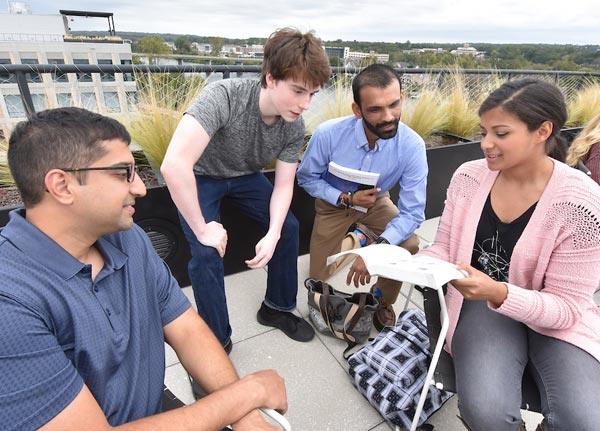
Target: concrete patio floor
{"x":320,"y":394}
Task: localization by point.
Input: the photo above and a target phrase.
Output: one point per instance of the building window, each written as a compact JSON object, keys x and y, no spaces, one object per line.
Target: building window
{"x":14,"y":105}
{"x":6,"y":78}
{"x":58,"y":76}
{"x":64,"y":100}
{"x":106,"y":76}
{"x":88,"y":101}
{"x":111,"y":100}
{"x":39,"y":102}
{"x":127,"y":77}
{"x":31,"y":76}
{"x":82,"y":77}
{"x":132,"y":100}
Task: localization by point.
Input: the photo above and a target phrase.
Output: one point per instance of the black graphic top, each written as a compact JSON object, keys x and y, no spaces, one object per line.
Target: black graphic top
{"x":495,"y":241}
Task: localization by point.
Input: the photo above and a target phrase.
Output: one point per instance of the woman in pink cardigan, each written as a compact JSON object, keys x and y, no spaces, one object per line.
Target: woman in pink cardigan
{"x":526,"y":228}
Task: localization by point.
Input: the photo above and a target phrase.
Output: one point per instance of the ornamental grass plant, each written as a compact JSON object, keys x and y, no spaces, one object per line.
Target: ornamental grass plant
{"x":6,"y":179}
{"x":333,"y":101}
{"x":584,"y":104}
{"x":162,"y":100}
{"x":425,"y":113}
{"x":461,"y":104}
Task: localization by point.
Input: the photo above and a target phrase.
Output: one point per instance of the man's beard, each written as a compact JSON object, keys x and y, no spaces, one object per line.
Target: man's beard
{"x":382,"y":134}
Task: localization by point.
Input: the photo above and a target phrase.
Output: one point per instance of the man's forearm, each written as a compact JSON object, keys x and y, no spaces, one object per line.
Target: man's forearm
{"x":182,"y":187}
{"x":279,"y":206}
{"x":281,"y":198}
{"x":211,"y":413}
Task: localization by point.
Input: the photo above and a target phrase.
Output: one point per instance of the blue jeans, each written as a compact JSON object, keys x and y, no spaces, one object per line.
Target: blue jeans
{"x":251,"y":194}
{"x":491,"y":352}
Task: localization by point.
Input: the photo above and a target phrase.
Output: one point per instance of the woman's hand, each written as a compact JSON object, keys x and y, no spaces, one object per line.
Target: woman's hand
{"x":479,"y":286}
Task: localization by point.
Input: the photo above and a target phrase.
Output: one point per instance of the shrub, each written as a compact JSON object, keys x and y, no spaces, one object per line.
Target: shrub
{"x":461,"y":105}
{"x":333,"y":101}
{"x":425,"y":114}
{"x":6,"y":179}
{"x":162,"y":100}
{"x":584,"y":105}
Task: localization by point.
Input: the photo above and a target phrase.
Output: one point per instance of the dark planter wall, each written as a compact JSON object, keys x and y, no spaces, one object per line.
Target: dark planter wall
{"x":442,"y":162}
{"x":157,"y":214}
{"x":4,"y":214}
{"x":243,"y":233}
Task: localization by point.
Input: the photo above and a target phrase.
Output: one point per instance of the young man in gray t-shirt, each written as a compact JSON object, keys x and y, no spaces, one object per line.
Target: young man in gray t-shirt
{"x":231,"y":131}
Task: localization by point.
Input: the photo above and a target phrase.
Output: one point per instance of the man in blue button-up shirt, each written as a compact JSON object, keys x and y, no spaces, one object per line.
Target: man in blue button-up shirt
{"x":371,"y":140}
{"x":86,"y":304}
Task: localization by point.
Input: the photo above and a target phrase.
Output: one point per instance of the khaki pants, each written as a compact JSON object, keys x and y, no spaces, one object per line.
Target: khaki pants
{"x":330,"y":236}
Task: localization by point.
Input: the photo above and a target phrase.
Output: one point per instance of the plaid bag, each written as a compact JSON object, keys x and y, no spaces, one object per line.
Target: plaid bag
{"x":391,"y":370}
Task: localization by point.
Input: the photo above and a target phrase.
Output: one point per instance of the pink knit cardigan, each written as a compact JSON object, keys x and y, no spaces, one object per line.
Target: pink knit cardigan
{"x":555,"y":265}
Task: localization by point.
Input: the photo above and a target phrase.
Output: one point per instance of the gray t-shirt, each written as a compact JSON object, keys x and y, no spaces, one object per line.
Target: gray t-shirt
{"x":240,"y":142}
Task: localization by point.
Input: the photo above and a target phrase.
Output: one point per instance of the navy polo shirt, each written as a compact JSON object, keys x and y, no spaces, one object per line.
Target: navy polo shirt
{"x":60,"y":329}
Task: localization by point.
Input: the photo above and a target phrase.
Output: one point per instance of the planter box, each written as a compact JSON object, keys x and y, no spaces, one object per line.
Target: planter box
{"x":243,"y":233}
{"x":157,"y":214}
{"x":442,"y":162}
{"x":4,"y":214}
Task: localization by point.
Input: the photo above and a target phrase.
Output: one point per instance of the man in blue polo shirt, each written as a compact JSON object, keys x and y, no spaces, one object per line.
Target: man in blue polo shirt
{"x":86,"y":304}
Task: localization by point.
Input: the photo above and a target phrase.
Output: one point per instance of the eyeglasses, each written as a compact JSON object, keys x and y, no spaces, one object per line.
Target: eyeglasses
{"x":131,"y":170}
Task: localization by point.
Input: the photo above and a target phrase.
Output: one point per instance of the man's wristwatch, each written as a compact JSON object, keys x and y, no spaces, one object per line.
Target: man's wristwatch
{"x":381,"y":240}
{"x":345,"y":199}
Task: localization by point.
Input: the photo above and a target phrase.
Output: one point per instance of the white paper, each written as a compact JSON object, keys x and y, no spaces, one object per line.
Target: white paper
{"x":354,"y":175}
{"x":397,"y":263}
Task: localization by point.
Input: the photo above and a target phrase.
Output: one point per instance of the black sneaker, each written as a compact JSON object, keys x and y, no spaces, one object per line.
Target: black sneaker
{"x":293,"y":326}
{"x":197,"y":391}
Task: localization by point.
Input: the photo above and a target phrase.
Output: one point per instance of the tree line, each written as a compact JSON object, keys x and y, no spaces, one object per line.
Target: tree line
{"x":497,"y":56}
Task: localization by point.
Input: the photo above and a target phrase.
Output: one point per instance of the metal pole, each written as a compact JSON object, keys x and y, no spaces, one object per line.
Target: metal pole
{"x":25,"y":93}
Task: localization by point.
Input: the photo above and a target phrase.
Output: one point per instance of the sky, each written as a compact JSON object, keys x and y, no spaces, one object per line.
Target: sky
{"x":443,"y":21}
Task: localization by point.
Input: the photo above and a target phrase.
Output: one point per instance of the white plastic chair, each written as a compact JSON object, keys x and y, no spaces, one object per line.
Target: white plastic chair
{"x":279,"y":418}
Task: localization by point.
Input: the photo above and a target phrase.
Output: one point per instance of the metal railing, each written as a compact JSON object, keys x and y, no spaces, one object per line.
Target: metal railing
{"x":412,"y":78}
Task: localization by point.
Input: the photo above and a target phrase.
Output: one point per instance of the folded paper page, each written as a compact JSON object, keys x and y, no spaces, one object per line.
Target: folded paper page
{"x":397,"y":263}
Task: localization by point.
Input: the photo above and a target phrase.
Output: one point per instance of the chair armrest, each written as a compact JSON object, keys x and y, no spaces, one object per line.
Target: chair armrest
{"x":281,"y":421}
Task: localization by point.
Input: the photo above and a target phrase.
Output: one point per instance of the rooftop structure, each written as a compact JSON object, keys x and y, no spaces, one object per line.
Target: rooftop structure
{"x":350,"y":57}
{"x":27,"y":38}
{"x":468,"y":50}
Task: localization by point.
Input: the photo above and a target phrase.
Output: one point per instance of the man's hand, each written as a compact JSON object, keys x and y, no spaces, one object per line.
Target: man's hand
{"x":214,"y":235}
{"x":264,"y":251}
{"x":270,"y":387}
{"x":359,"y":273}
{"x":365,"y":198}
{"x":479,"y":286}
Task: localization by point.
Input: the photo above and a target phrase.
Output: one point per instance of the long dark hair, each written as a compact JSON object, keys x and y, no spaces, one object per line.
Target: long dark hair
{"x":533,"y":102}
